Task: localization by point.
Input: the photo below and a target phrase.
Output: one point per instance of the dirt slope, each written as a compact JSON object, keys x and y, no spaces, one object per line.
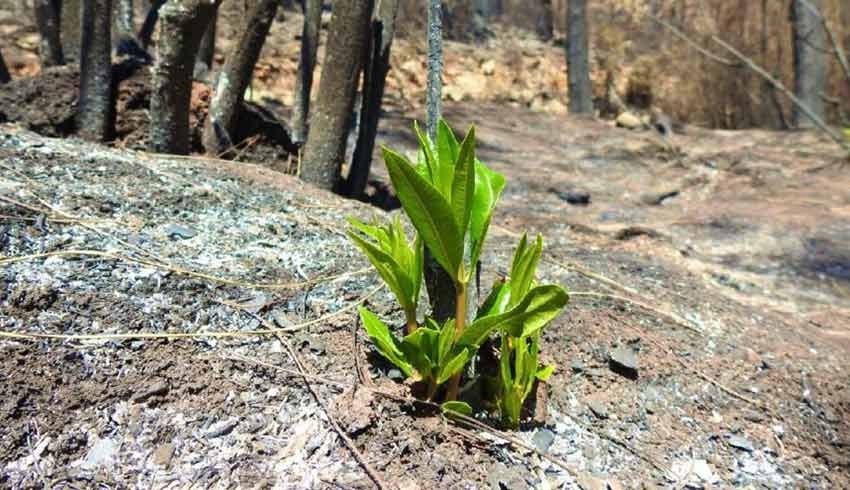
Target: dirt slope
{"x":740,"y":367}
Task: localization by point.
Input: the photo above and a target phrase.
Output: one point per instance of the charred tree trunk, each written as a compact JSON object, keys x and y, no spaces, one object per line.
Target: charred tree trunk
{"x":4,"y":72}
{"x":325,"y":148}
{"x":377,"y":65}
{"x":488,"y":8}
{"x":206,"y":52}
{"x":306,"y":65}
{"x":183,"y":25}
{"x":809,"y":61}
{"x":69,"y":25}
{"x":125,"y":18}
{"x":50,"y":42}
{"x":545,"y":22}
{"x":578,"y":64}
{"x":96,"y":112}
{"x":146,"y":31}
{"x":235,"y":77}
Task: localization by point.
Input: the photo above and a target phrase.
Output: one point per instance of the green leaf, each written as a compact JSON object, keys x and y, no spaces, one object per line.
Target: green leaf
{"x":446,"y":341}
{"x":488,"y":187}
{"x":537,"y":308}
{"x":387,"y":345}
{"x":453,"y":366}
{"x":497,"y":301}
{"x":427,"y":151}
{"x":429,"y":211}
{"x":457,"y":407}
{"x":524,"y":267}
{"x":463,"y":184}
{"x":386,"y":267}
{"x":447,"y":146}
{"x":420,"y":348}
{"x":545,"y":372}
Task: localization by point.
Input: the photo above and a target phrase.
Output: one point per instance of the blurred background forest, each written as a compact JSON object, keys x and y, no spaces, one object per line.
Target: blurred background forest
{"x":512,"y":51}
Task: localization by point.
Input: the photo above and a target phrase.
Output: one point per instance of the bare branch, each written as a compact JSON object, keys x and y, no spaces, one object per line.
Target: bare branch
{"x":684,"y":37}
{"x":837,"y":137}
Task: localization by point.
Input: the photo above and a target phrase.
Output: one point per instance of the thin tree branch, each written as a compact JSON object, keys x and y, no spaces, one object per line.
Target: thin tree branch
{"x":684,"y":37}
{"x":837,"y":137}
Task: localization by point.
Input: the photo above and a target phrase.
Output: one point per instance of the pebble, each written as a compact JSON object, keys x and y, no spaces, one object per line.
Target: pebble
{"x":101,"y":454}
{"x":577,"y":366}
{"x":624,"y":361}
{"x":578,"y":198}
{"x":179,"y":232}
{"x":598,"y":408}
{"x":741,"y":443}
{"x":222,"y":428}
{"x":543,"y":440}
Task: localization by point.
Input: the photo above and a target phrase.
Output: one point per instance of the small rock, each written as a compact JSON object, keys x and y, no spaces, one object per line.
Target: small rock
{"x":576,"y":197}
{"x":629,"y":121}
{"x":158,"y":388}
{"x":598,"y":408}
{"x":395,"y":374}
{"x":543,"y":440}
{"x":741,"y":443}
{"x":179,"y":232}
{"x":222,"y":428}
{"x":101,"y":454}
{"x":163,"y":454}
{"x":658,"y":198}
{"x":577,"y":366}
{"x":623,"y":360}
{"x":587,"y":482}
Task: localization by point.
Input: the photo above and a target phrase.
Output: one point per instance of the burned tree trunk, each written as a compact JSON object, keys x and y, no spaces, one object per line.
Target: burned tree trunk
{"x":206,"y":52}
{"x":146,"y":31}
{"x":69,"y":24}
{"x":125,"y":18}
{"x":325,"y":148}
{"x":545,"y":21}
{"x":183,"y":25}
{"x":4,"y":72}
{"x":50,"y":42}
{"x":578,"y":64}
{"x":96,"y":112}
{"x":376,"y":67}
{"x":809,"y":61}
{"x":304,"y":80}
{"x":235,"y":77}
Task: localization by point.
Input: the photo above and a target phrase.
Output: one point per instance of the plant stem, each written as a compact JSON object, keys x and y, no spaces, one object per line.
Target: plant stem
{"x":460,"y":324}
{"x":412,"y":324}
{"x":432,"y":388}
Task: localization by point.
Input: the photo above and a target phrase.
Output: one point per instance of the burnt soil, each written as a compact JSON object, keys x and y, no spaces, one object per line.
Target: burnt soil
{"x":720,"y":258}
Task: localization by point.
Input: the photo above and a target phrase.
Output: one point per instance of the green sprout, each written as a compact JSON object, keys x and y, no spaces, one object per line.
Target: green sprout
{"x":449,"y":197}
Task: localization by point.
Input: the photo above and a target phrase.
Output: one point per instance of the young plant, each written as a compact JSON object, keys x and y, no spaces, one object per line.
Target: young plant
{"x":398,"y":262}
{"x":449,"y":197}
{"x":518,"y":367}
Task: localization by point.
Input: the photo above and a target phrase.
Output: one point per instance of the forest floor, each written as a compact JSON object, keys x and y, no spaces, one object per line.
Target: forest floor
{"x":719,"y":259}
{"x":732,"y":292}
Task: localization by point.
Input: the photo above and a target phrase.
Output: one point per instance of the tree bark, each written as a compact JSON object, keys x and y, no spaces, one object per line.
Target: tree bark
{"x":809,"y":61}
{"x":325,"y":148}
{"x":578,"y":64}
{"x":96,"y":112}
{"x":434,"y":88}
{"x":375,"y":72}
{"x":69,"y":25}
{"x":126,"y":18}
{"x":4,"y":72}
{"x":50,"y":43}
{"x":488,"y":8}
{"x":206,"y":52}
{"x":146,"y":31}
{"x":545,"y":22}
{"x":183,"y":25}
{"x":235,"y":77}
{"x":306,"y":65}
